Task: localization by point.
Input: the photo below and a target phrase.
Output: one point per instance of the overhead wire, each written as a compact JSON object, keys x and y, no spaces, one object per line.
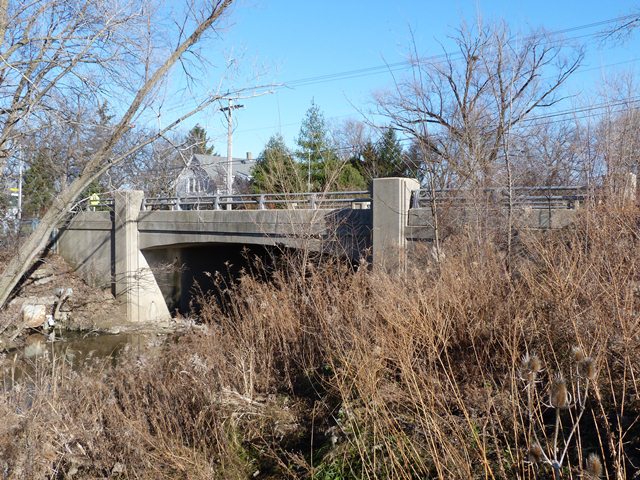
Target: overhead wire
{"x":374,"y":70}
{"x":407,"y":140}
{"x":405,"y":64}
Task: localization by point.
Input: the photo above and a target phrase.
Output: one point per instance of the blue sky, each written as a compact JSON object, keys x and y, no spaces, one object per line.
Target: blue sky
{"x":280,"y":41}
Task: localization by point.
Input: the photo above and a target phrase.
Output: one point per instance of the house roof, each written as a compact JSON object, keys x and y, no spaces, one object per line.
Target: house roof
{"x":216,"y":166}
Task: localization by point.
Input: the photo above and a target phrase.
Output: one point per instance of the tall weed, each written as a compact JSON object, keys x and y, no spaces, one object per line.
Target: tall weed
{"x":325,"y":372}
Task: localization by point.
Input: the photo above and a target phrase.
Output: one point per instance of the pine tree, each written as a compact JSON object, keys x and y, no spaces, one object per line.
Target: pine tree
{"x":38,"y":187}
{"x":315,"y":150}
{"x":382,"y":158}
{"x":276,"y":170}
{"x":198,"y":142}
{"x":389,"y":155}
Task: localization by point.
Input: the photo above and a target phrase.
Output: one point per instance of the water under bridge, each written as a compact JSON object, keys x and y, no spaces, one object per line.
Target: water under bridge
{"x":152,"y":251}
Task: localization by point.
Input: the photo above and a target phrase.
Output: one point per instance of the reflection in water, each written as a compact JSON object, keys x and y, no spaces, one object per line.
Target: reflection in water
{"x":79,"y":351}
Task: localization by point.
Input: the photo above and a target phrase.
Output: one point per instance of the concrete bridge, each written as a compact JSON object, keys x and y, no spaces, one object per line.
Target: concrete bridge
{"x":151,"y":252}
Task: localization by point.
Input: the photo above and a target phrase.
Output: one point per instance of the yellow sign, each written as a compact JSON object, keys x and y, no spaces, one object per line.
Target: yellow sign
{"x":14,"y":189}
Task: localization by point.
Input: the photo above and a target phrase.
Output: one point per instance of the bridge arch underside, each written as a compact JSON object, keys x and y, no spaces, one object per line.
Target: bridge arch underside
{"x":183,"y":270}
{"x":185,"y":249}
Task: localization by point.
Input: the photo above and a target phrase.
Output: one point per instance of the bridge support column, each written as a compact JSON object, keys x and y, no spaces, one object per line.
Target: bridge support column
{"x":391,"y":203}
{"x":135,"y":285}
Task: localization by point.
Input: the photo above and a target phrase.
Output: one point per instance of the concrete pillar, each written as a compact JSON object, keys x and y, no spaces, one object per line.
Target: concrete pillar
{"x":135,"y":285}
{"x":391,"y":203}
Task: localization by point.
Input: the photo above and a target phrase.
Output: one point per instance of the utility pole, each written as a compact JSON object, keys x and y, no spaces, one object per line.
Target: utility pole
{"x":228,"y":111}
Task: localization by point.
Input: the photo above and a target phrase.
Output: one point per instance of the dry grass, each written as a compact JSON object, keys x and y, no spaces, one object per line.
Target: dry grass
{"x":333,"y":374}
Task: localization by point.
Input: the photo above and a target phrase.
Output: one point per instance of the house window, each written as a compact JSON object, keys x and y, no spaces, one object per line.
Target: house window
{"x":192,"y":185}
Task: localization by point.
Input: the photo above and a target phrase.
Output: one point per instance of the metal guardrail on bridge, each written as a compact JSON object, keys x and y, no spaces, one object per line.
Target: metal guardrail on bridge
{"x":104,"y":202}
{"x":360,"y":199}
{"x":534,"y":197}
{"x":314,"y":200}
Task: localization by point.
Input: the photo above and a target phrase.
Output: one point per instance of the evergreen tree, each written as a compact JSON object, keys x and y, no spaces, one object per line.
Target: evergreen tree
{"x":342,"y":176}
{"x":322,"y":167}
{"x":198,"y":142}
{"x":38,"y":186}
{"x":390,"y":158}
{"x":276,"y":171}
{"x":384,"y":158}
{"x":315,"y":149}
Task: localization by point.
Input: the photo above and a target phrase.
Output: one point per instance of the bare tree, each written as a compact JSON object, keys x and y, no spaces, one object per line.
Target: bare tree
{"x":473,"y":97}
{"x":617,"y":135}
{"x":108,"y":46}
{"x":54,"y":49}
{"x":623,"y":29}
{"x":549,"y":154}
{"x":465,"y":108}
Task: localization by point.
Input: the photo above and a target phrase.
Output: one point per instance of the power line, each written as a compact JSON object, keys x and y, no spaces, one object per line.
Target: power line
{"x":378,"y":69}
{"x":579,"y":71}
{"x":407,"y":140}
{"x":374,"y":70}
{"x":591,"y":111}
{"x":625,"y":102}
{"x":405,"y":64}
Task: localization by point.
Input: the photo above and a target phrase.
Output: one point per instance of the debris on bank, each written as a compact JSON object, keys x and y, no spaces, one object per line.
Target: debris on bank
{"x":55,"y":297}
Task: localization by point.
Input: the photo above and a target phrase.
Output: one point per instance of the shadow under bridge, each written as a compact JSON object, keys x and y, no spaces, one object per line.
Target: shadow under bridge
{"x":189,"y":251}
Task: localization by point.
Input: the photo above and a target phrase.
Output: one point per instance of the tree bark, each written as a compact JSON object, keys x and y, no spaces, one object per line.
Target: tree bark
{"x":4,"y":5}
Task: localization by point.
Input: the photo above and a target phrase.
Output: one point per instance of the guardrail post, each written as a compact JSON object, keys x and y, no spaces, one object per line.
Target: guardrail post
{"x":391,"y":202}
{"x":216,"y":202}
{"x":415,"y":199}
{"x":313,"y":200}
{"x":261,"y":204}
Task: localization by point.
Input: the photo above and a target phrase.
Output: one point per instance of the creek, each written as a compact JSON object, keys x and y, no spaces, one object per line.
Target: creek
{"x":68,"y":349}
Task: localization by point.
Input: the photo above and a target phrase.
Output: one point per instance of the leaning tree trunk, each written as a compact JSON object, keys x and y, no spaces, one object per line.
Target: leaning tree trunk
{"x":29,"y":252}
{"x":101,"y":161}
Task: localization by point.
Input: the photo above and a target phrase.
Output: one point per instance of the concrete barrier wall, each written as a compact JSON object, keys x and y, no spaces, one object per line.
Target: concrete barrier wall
{"x":159,"y":228}
{"x":88,"y":244}
{"x":343,"y":231}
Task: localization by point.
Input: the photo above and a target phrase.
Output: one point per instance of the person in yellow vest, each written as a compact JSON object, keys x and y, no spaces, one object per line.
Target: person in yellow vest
{"x":94,"y":201}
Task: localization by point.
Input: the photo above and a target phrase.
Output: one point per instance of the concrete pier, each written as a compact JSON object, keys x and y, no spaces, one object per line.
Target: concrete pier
{"x":391,"y":203}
